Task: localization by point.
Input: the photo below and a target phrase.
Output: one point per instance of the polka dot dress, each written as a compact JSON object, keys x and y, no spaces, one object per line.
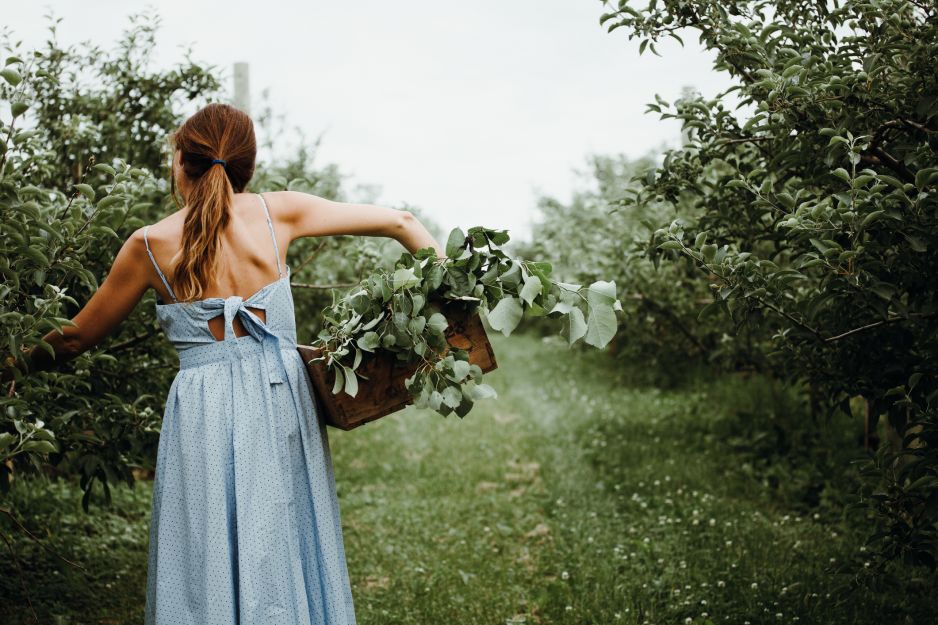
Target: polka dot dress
{"x":245,"y":525}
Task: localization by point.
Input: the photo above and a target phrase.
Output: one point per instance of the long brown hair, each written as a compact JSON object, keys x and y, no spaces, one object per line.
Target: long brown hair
{"x":216,"y":131}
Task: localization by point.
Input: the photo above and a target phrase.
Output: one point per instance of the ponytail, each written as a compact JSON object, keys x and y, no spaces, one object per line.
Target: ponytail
{"x":217,"y":131}
{"x":210,"y":201}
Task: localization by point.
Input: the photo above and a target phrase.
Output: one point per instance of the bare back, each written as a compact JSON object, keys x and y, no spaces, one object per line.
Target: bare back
{"x":249,"y":255}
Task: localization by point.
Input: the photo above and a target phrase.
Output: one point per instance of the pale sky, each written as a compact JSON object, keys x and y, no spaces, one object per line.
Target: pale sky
{"x":467,"y":110}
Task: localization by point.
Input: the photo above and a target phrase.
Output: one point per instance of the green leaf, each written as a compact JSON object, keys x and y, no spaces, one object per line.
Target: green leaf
{"x":461,"y":369}
{"x":452,"y":396}
{"x":415,"y":326}
{"x":577,"y":326}
{"x":563,"y":307}
{"x":871,"y":218}
{"x":601,"y":293}
{"x":455,"y":242}
{"x":506,"y":315}
{"x":11,"y":76}
{"x":339,"y":379}
{"x":602,"y":324}
{"x":917,"y":244}
{"x":368,"y":341}
{"x":86,"y":189}
{"x":438,"y":323}
{"x":404,"y":278}
{"x":105,"y":168}
{"x":841,"y":173}
{"x":483,"y":391}
{"x":435,"y":277}
{"x":532,"y":288}
{"x":923,"y":177}
{"x":351,"y":383}
{"x":39,"y":446}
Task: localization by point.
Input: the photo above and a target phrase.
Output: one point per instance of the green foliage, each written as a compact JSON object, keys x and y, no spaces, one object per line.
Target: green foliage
{"x":814,"y":218}
{"x":400,"y":311}
{"x":571,"y":490}
{"x":661,"y":325}
{"x":67,"y":203}
{"x":69,"y":198}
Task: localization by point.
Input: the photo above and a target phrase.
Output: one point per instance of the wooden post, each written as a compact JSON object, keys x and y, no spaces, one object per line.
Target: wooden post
{"x":242,"y":87}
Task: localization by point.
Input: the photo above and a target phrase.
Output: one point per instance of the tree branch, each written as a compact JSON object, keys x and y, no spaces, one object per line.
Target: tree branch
{"x":302,"y":285}
{"x":881,"y":322}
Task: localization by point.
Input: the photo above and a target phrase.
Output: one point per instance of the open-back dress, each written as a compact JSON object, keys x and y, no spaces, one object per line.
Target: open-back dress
{"x":245,"y":526}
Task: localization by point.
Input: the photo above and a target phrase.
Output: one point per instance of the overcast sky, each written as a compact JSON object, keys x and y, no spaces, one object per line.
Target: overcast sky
{"x":467,"y":110}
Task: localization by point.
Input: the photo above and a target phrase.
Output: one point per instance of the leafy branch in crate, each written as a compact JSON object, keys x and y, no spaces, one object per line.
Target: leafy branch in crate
{"x":400,"y":311}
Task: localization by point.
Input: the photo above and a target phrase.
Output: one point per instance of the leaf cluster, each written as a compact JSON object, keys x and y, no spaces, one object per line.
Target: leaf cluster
{"x":401,"y":311}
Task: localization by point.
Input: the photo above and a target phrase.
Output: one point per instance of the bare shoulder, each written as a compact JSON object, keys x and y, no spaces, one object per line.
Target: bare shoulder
{"x":290,"y":205}
{"x":132,"y":257}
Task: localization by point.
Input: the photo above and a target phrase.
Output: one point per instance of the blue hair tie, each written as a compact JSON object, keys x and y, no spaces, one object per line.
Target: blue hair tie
{"x":223,"y":163}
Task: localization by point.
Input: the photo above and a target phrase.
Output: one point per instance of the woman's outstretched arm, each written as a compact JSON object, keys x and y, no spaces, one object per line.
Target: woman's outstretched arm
{"x":115,"y":299}
{"x":313,"y":216}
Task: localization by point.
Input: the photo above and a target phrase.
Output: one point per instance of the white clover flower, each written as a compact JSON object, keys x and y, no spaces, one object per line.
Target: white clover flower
{"x":569,"y":608}
{"x":721,"y":583}
{"x":754,"y":585}
{"x":564,"y":575}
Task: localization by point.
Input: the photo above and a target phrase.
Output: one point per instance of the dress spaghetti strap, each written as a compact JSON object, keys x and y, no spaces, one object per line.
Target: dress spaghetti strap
{"x":273,"y":236}
{"x":153,"y":260}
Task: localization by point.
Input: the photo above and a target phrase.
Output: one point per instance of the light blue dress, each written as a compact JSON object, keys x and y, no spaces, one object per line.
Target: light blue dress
{"x":245,"y":524}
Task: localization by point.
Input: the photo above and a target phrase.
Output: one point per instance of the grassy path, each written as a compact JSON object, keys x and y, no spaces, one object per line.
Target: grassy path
{"x":571,"y":499}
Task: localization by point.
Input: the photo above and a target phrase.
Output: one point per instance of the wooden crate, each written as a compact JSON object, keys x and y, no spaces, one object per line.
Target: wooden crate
{"x":384,"y":391}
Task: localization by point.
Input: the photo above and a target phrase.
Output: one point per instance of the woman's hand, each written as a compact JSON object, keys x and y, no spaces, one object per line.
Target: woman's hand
{"x":10,"y":365}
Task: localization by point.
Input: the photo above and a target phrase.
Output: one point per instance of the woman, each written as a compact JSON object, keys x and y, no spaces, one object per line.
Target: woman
{"x":245,"y":521}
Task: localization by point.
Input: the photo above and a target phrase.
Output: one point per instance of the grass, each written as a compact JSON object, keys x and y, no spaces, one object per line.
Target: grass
{"x":574,"y":498}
